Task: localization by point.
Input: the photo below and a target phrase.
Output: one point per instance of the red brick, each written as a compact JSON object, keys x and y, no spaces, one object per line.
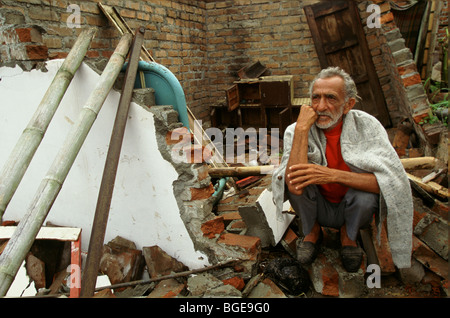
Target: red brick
{"x":179,"y":135}
{"x":36,"y":270}
{"x":418,"y":118}
{"x":389,"y":17}
{"x":168,"y":288}
{"x":407,"y":69}
{"x":121,"y":264}
{"x":251,"y":244}
{"x":412,"y":80}
{"x":202,"y":193}
{"x":400,"y":142}
{"x":383,"y":249}
{"x":213,"y":227}
{"x":239,"y":225}
{"x":37,"y":52}
{"x":290,"y":238}
{"x":330,"y":279}
{"x":237,"y":282}
{"x":197,"y":153}
{"x":159,"y":263}
{"x":231,"y":216}
{"x":24,"y":34}
{"x":28,"y":35}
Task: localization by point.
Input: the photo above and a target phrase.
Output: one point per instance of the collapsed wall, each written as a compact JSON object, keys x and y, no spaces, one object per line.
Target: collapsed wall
{"x":156,"y":201}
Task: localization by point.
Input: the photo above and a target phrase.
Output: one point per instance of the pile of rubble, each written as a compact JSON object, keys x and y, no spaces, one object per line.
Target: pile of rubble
{"x":262,"y":265}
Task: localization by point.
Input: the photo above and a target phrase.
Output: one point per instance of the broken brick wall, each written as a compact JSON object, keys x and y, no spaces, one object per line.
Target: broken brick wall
{"x":205,"y":43}
{"x":32,"y":31}
{"x":399,"y":76}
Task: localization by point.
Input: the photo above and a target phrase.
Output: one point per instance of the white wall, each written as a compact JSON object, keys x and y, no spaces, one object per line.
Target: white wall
{"x":143,"y":208}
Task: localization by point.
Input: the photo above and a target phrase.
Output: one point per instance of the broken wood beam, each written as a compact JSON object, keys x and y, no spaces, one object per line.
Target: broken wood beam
{"x":240,"y":171}
{"x":25,"y":234}
{"x":431,"y":187}
{"x":419,"y":163}
{"x":23,"y":152}
{"x":109,"y":174}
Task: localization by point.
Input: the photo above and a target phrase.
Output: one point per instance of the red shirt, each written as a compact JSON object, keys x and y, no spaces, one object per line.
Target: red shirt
{"x":334,"y":192}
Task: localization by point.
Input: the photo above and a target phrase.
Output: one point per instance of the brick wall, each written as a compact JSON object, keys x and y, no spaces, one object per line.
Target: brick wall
{"x":275,"y":33}
{"x":36,"y":30}
{"x":401,"y":83}
{"x":204,"y":43}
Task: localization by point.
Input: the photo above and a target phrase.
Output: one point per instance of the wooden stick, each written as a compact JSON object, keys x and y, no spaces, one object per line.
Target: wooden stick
{"x":20,"y":158}
{"x":25,"y":234}
{"x":240,"y":171}
{"x":419,"y":163}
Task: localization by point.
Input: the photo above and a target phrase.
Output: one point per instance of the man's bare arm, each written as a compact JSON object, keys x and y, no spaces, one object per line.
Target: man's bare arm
{"x":299,"y":149}
{"x":302,"y":175}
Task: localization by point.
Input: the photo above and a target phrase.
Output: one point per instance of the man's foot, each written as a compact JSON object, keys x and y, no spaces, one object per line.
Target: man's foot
{"x":308,"y":248}
{"x":351,"y":253}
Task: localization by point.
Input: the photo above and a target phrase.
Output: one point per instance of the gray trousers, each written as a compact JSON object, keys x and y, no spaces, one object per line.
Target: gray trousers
{"x":356,"y":210}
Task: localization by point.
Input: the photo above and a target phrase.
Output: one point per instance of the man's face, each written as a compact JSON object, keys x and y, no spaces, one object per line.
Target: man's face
{"x":328,"y":100}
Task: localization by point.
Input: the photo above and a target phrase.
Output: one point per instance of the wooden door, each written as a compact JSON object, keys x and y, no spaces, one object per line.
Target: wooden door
{"x":339,"y":39}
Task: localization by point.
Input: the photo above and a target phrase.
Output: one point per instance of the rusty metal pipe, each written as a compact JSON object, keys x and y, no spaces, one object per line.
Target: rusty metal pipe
{"x":90,"y":273}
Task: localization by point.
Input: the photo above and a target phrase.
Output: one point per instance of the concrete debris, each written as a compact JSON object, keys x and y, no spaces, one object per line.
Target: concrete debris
{"x":121,"y":261}
{"x":159,"y":263}
{"x":243,"y":227}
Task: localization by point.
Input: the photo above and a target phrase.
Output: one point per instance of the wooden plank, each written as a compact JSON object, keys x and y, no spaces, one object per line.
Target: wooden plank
{"x":241,"y":171}
{"x":310,"y":18}
{"x":431,"y":187}
{"x":45,"y":233}
{"x":419,"y":163}
{"x":232,"y":94}
{"x":329,"y":7}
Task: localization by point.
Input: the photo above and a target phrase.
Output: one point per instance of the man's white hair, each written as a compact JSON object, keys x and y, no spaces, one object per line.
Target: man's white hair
{"x":350,"y":89}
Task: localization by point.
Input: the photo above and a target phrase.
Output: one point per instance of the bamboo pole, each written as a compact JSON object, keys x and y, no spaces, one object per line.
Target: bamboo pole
{"x":109,"y":173}
{"x":25,"y":234}
{"x":20,"y":158}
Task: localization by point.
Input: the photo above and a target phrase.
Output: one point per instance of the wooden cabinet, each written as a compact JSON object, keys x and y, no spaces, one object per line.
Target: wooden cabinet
{"x":263,"y":102}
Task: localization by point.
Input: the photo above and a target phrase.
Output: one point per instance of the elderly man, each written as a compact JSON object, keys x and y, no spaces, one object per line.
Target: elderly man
{"x":339,"y":170}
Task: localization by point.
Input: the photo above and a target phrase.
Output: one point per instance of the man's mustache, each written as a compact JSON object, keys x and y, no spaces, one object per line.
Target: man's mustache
{"x":328,"y":114}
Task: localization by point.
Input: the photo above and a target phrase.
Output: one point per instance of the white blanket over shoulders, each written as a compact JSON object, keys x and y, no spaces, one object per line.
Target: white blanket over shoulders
{"x":364,"y":145}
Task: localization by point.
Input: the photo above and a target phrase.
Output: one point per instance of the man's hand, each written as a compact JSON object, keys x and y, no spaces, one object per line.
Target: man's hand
{"x":299,"y":176}
{"x":306,"y":118}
